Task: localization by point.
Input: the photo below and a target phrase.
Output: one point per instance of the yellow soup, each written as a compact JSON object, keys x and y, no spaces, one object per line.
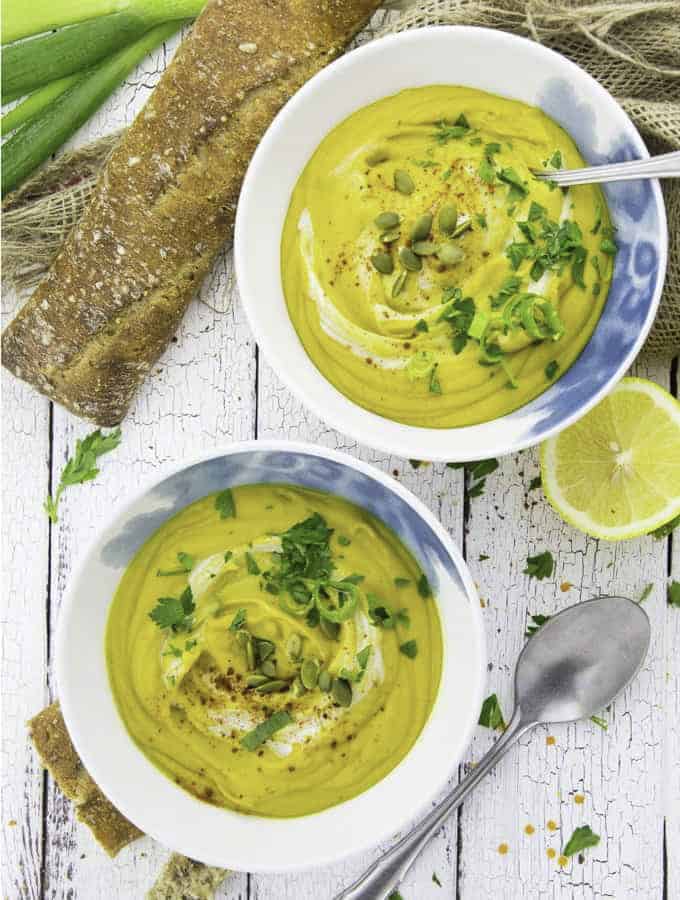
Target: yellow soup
{"x":274,"y":650}
{"x":430,"y":277}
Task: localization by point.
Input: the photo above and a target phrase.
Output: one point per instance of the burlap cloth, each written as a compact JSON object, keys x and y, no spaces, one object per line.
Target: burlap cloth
{"x":632,"y":47}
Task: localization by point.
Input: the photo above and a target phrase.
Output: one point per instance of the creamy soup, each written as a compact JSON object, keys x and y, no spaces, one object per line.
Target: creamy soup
{"x":274,"y":650}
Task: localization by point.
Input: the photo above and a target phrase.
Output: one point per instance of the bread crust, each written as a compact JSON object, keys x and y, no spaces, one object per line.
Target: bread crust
{"x":165,"y":202}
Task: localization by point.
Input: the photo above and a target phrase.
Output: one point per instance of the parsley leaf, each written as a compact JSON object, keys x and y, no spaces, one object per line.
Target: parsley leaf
{"x":82,"y":466}
{"x":186,"y":562}
{"x":424,"y":588}
{"x":224,"y":504}
{"x":540,"y":566}
{"x":410,"y":649}
{"x":457,"y":130}
{"x":239,"y":620}
{"x":174,"y":612}
{"x":251,"y":564}
{"x":536,"y":622}
{"x":582,"y":838}
{"x":674,"y":594}
{"x":491,"y":715}
{"x":535,"y":483}
{"x":551,"y":369}
{"x":254,"y":739}
{"x":382,"y":615}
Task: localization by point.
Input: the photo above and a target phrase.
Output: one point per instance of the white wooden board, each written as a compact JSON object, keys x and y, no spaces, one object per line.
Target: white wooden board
{"x":212,"y":389}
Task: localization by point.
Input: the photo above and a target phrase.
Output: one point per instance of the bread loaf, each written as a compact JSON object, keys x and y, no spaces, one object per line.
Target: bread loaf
{"x":165,"y":202}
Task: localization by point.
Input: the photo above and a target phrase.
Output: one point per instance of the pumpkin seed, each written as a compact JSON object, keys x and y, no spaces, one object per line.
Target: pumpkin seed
{"x":254,"y":681}
{"x":409,"y":260}
{"x":422,"y":227}
{"x":331,"y":630}
{"x":462,"y":227}
{"x":450,"y":254}
{"x":268,"y":668}
{"x":264,"y":648}
{"x":271,"y":687}
{"x":388,"y":237}
{"x":424,"y":248}
{"x":297,"y":688}
{"x":383,"y":263}
{"x":399,"y":283}
{"x":403,"y":182}
{"x":294,"y":647}
{"x":324,"y":682}
{"x":341,"y":691}
{"x":377,"y":156}
{"x":387,"y":220}
{"x":448,"y":217}
{"x":246,"y":642}
{"x":309,"y":673}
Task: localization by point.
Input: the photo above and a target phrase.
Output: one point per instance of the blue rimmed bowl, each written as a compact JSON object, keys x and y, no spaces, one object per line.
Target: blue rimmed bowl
{"x":218,"y":836}
{"x":502,"y":64}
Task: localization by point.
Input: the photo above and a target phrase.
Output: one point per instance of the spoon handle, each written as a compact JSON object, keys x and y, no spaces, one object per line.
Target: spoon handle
{"x":667,"y":165}
{"x":388,"y":870}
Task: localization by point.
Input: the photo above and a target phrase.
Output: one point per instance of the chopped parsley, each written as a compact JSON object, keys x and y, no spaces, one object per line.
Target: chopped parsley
{"x":174,"y":612}
{"x":540,"y":566}
{"x":409,"y":648}
{"x":239,"y":620}
{"x":480,"y":218}
{"x":674,"y":594}
{"x":424,"y":588}
{"x":262,"y":732}
{"x":552,"y":369}
{"x":382,"y":615}
{"x":224,"y":504}
{"x":186,"y":562}
{"x":507,"y":290}
{"x":582,"y":838}
{"x":402,"y":582}
{"x":251,"y":564}
{"x":535,"y":483}
{"x":362,"y":658}
{"x":435,"y":385}
{"x":491,"y":715}
{"x":555,"y":161}
{"x":422,"y":326}
{"x":536,"y":622}
{"x":343,"y":540}
{"x":82,"y":466}
{"x":304,"y":559}
{"x":608,"y":246}
{"x":457,"y":130}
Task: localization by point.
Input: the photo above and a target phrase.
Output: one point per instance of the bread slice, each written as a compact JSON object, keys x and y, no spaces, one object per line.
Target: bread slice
{"x":165,"y":202}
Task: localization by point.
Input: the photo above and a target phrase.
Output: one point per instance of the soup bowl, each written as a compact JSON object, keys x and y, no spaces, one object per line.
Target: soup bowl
{"x":498,"y":63}
{"x":219,"y":836}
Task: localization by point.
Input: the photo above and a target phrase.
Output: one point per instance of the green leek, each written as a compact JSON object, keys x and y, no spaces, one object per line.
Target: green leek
{"x":43,"y":135}
{"x":36,"y":102}
{"x":24,"y":18}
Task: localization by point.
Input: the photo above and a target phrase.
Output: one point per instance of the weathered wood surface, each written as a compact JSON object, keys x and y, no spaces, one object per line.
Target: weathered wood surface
{"x":212,"y":389}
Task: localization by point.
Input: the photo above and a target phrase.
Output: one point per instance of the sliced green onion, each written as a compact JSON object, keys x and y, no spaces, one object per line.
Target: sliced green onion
{"x":39,"y":138}
{"x":478,"y":325}
{"x":36,"y":102}
{"x":294,"y":607}
{"x":339,"y":613}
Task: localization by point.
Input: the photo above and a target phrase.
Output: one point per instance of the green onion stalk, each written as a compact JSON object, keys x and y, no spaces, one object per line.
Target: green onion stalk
{"x":24,"y":18}
{"x":42,"y":135}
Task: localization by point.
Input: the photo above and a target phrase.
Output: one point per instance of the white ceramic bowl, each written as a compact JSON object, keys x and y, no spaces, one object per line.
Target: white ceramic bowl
{"x":155,"y":803}
{"x":502,"y":64}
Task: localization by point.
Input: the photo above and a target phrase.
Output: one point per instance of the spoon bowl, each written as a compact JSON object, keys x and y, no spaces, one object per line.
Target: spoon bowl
{"x":580,"y":659}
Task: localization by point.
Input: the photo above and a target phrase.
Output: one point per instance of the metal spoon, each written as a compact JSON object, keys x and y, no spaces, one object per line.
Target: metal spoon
{"x":666,"y":165}
{"x":572,"y":668}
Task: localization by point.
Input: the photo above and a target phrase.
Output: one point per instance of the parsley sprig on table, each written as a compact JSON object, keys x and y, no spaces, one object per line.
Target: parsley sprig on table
{"x":582,"y":838}
{"x":82,"y":466}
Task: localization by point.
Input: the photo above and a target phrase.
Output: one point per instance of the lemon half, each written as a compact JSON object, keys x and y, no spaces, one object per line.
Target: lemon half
{"x":615,"y":474}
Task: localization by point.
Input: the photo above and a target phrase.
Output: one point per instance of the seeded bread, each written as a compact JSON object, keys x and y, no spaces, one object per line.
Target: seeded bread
{"x":165,"y":202}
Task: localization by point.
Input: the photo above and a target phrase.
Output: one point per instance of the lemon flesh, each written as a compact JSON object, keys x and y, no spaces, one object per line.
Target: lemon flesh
{"x":615,"y":474}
